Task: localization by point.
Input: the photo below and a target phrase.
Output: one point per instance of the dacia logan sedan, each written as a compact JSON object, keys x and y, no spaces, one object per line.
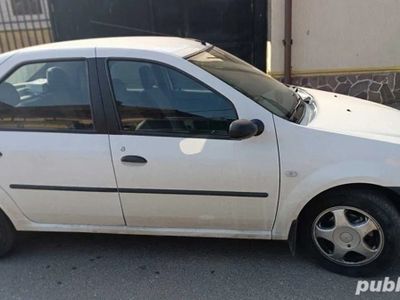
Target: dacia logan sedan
{"x":171,"y":136}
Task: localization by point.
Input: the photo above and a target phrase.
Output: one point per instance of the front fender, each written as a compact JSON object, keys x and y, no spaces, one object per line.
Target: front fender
{"x":295,"y":194}
{"x":314,"y":160}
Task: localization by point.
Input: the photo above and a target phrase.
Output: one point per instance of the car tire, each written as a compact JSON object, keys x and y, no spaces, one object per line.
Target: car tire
{"x":7,"y":235}
{"x":353,"y":232}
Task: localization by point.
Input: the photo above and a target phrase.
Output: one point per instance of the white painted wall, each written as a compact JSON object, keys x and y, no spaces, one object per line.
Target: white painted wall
{"x":338,"y":35}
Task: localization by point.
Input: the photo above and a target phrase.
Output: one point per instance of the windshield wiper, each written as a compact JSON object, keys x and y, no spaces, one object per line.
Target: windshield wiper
{"x":299,"y":92}
{"x":300,"y":103}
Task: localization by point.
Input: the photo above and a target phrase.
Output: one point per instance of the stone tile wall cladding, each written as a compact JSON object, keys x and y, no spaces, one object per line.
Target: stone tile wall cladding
{"x":378,"y":87}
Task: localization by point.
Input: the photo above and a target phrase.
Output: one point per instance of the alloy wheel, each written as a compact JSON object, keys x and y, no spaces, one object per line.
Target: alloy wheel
{"x":348,"y":236}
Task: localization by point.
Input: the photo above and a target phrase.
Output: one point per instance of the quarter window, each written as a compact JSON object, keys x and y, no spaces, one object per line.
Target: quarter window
{"x":47,"y":96}
{"x":155,"y":99}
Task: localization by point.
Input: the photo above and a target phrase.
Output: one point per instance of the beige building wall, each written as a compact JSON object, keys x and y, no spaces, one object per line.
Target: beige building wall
{"x":339,"y":37}
{"x":14,"y":39}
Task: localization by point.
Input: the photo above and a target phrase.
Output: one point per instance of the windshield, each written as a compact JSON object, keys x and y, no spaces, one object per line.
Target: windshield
{"x":248,"y":80}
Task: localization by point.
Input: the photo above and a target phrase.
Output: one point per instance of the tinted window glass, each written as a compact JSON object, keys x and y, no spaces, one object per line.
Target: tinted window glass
{"x":53,"y":95}
{"x":181,"y":82}
{"x":156,"y":99}
{"x":262,"y":88}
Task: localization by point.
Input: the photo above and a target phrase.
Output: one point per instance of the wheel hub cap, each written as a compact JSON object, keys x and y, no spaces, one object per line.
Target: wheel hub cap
{"x":346,"y":237}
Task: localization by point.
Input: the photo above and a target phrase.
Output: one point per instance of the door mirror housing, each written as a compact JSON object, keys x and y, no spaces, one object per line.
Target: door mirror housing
{"x":243,"y":129}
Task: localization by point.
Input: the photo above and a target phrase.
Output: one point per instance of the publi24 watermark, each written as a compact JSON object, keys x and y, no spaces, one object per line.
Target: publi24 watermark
{"x":386,"y":285}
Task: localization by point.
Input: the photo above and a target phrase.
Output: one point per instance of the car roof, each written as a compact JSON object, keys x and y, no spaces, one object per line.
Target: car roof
{"x":169,"y":45}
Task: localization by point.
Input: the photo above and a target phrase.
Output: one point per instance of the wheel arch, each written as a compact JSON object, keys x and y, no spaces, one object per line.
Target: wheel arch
{"x":392,"y":195}
{"x":11,"y":210}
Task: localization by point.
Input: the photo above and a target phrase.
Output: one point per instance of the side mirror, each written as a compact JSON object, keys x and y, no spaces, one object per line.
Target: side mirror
{"x":243,"y":129}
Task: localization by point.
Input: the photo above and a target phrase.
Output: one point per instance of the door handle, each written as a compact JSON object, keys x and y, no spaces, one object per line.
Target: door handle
{"x":134,"y":159}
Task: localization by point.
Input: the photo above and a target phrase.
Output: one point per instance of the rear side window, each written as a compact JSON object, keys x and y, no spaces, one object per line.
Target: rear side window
{"x":47,"y":96}
{"x":158,"y":100}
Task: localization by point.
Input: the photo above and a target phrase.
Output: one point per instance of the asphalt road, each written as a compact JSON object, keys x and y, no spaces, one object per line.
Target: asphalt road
{"x":93,"y":266}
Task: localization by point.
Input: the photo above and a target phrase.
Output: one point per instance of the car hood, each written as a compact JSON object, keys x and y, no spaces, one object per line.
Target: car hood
{"x":354,"y":116}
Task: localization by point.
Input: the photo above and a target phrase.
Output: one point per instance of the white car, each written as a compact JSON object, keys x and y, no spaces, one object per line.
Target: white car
{"x":170,"y":136}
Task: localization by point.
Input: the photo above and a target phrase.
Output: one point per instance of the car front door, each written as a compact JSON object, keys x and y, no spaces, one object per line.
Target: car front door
{"x":56,"y":162}
{"x":175,"y":164}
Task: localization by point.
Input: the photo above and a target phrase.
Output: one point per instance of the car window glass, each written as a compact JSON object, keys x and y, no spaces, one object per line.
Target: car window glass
{"x":155,"y":99}
{"x":49,"y":95}
{"x":184,"y":83}
{"x":248,"y":80}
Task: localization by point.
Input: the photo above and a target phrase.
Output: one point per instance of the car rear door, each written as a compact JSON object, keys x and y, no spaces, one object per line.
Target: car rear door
{"x":55,"y":157}
{"x":176,"y":167}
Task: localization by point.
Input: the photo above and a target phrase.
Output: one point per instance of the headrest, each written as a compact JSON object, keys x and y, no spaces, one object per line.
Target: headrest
{"x":9,"y":94}
{"x":57,"y":78}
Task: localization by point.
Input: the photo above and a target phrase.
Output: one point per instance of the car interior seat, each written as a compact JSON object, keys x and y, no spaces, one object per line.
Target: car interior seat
{"x":57,"y":81}
{"x":166,"y":120}
{"x":152,"y":92}
{"x":120,"y":91}
{"x":9,"y":94}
